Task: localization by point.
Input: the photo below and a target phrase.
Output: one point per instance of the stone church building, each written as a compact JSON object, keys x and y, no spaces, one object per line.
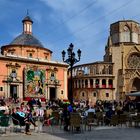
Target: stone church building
{"x":119,"y":72}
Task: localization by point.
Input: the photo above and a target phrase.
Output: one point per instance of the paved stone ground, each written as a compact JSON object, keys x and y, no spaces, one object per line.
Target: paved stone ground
{"x":98,"y":133}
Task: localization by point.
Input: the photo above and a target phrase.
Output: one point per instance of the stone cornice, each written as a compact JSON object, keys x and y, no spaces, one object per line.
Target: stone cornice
{"x":38,"y":62}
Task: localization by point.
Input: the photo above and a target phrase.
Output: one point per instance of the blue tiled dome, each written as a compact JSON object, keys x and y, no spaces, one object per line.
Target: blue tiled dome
{"x":26,"y":39}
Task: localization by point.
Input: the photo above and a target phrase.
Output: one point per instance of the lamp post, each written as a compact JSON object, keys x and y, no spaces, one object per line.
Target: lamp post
{"x":71,"y":60}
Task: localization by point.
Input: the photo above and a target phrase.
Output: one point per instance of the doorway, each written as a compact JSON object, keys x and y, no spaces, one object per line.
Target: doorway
{"x":52,"y":93}
{"x":13,"y":91}
{"x":135,"y":85}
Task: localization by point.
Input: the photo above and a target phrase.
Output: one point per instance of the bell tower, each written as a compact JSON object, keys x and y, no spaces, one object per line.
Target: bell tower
{"x":27,"y":24}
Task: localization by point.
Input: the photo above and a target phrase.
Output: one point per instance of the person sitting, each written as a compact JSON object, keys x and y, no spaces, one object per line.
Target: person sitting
{"x":24,"y":119}
{"x":108,"y":116}
{"x":20,"y":119}
{"x":4,"y":108}
{"x":90,"y":109}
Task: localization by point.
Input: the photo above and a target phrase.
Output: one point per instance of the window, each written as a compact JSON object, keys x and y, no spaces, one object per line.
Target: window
{"x":107,"y":94}
{"x":79,"y":84}
{"x":12,"y":53}
{"x":125,"y":35}
{"x":104,"y":83}
{"x":91,"y":82}
{"x":86,"y":83}
{"x":110,"y":82}
{"x":94,"y":94}
{"x":61,"y":91}
{"x":30,"y":55}
{"x":82,"y":83}
{"x":1,"y":88}
{"x":46,"y":57}
{"x":83,"y":94}
{"x":97,"y":83}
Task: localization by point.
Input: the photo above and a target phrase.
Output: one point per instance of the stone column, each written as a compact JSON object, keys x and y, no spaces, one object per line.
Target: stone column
{"x":100,"y":83}
{"x":84,"y":83}
{"x":94,"y":83}
{"x":88,"y":83}
{"x":107,"y":83}
{"x":20,"y":91}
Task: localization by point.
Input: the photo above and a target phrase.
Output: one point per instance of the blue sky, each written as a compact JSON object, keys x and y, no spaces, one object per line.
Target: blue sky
{"x":57,"y":23}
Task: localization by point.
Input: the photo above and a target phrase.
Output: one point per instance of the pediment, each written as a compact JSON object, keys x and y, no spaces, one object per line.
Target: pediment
{"x":134,"y":49}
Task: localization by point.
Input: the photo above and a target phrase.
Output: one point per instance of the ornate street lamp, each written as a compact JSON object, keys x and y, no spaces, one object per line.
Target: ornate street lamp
{"x":71,"y":60}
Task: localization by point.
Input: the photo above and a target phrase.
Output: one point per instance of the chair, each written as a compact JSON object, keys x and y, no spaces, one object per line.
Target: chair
{"x":4,"y":122}
{"x":17,"y":123}
{"x":137,"y":120}
{"x":1,"y":113}
{"x":114,"y":120}
{"x":17,"y":126}
{"x":100,"y":118}
{"x":75,"y":121}
{"x":56,"y":116}
{"x":90,"y":121}
{"x":123,"y":118}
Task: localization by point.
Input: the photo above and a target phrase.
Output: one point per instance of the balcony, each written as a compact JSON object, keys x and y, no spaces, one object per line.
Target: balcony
{"x":110,"y":86}
{"x":103,"y":86}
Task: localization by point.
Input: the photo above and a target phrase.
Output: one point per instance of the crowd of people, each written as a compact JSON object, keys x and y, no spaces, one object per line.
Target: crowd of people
{"x":25,"y":113}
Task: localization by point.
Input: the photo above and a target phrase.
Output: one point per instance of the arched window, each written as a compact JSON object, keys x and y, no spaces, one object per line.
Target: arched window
{"x":110,"y":69}
{"x":91,"y":82}
{"x":107,"y":94}
{"x":94,"y":94}
{"x":30,"y":55}
{"x":104,"y":83}
{"x":126,"y":34}
{"x":104,"y":70}
{"x":110,"y":82}
{"x":79,"y":84}
{"x":82,"y":83}
{"x":86,"y":83}
{"x":97,"y":83}
{"x":134,"y":61}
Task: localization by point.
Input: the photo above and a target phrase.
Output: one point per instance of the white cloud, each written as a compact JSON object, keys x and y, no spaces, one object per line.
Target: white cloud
{"x":61,"y":22}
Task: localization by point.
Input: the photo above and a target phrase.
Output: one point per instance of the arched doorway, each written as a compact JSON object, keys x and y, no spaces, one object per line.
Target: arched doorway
{"x":135,"y":85}
{"x":135,"y":88}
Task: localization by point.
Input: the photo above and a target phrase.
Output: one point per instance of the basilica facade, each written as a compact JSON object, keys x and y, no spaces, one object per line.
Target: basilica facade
{"x":119,"y":72}
{"x":27,"y":70}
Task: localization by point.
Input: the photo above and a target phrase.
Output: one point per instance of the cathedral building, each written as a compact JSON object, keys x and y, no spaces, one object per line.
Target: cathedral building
{"x":27,"y":70}
{"x":119,"y":72}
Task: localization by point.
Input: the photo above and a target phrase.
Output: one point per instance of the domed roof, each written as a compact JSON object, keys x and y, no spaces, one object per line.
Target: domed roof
{"x":26,"y":39}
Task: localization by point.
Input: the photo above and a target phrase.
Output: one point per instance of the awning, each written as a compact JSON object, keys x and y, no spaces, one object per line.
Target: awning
{"x":137,"y":94}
